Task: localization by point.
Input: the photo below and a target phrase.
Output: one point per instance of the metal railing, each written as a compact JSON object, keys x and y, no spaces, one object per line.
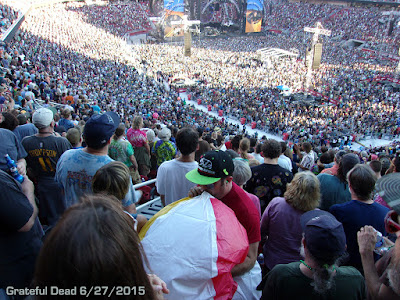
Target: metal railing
{"x":151,"y":207}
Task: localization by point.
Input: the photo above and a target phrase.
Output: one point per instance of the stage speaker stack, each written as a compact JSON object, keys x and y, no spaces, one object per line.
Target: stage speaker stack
{"x":317,"y":56}
{"x":188,"y":43}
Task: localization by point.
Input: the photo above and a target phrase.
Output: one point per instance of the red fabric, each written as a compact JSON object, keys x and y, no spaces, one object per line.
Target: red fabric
{"x":146,"y":196}
{"x":331,"y":171}
{"x":247,"y":214}
{"x":378,"y":199}
{"x":136,"y":137}
{"x":228,"y":256}
{"x":285,"y":136}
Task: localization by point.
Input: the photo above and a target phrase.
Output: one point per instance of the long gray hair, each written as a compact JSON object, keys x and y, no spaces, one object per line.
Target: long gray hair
{"x":324,"y":271}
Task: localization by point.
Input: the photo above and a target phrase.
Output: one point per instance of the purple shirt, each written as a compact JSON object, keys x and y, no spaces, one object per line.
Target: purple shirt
{"x":256,"y":202}
{"x":281,"y":231}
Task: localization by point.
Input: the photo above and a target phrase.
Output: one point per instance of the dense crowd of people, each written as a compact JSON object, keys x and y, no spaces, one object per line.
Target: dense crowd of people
{"x":86,"y":116}
{"x":346,"y":78}
{"x":350,"y":82}
{"x":118,"y":18}
{"x":7,"y":16}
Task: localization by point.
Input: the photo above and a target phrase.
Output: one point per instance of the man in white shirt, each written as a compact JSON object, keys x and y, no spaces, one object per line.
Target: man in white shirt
{"x":172,"y":184}
{"x":257,"y":154}
{"x":283,"y":160}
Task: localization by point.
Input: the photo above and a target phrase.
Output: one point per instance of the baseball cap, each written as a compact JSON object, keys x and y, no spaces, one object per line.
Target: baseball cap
{"x":42,"y":118}
{"x":388,"y":187}
{"x":99,"y":128}
{"x":324,"y":235}
{"x":164,"y":134}
{"x":212,"y":167}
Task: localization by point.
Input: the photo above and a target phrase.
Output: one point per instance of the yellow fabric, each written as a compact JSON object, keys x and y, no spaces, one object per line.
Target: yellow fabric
{"x":162,"y":212}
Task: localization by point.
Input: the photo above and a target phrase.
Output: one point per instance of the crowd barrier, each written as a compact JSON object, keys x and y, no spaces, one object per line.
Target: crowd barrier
{"x":151,"y":207}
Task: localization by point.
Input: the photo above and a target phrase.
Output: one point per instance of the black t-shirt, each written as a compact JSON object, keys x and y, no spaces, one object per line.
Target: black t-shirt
{"x":44,"y":153}
{"x":18,"y":250}
{"x":267,"y":182}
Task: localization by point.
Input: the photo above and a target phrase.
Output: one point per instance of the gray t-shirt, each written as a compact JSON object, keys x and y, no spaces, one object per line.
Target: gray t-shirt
{"x":11,"y":146}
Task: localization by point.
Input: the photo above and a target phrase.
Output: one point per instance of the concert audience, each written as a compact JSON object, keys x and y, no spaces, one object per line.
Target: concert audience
{"x":49,"y":62}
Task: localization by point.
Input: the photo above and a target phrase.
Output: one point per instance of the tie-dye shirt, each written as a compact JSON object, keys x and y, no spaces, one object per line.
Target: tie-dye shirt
{"x":75,"y":170}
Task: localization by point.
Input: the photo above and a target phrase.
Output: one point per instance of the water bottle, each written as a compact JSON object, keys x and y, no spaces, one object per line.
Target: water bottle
{"x":260,"y":259}
{"x":380,"y":247}
{"x":12,"y":166}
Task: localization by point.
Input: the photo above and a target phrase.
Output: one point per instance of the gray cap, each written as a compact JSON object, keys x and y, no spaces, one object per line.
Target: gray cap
{"x":42,"y":118}
{"x":164,"y":134}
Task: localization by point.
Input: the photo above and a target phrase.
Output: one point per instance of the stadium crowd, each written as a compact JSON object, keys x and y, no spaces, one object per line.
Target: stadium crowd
{"x":84,"y":119}
{"x":118,"y":19}
{"x":347,"y":77}
{"x":7,"y":16}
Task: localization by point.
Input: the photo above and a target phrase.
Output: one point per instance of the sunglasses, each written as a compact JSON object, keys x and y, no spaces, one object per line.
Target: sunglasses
{"x":391,"y":225}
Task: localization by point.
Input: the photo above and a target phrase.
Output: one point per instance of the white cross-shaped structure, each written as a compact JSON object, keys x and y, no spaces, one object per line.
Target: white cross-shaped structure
{"x":391,"y":15}
{"x":318,"y":30}
{"x":185,"y":22}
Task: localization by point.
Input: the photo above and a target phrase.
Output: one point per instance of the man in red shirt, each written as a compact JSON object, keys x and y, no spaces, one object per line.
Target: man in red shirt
{"x":214,"y":175}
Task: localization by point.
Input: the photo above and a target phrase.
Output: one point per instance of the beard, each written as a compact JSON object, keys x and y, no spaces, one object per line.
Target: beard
{"x":394,"y":277}
{"x":302,"y":252}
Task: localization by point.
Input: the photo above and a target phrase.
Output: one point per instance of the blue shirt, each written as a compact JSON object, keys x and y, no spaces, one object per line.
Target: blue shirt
{"x":354,"y":215}
{"x":22,"y":131}
{"x":66,"y":123}
{"x":96,"y":108}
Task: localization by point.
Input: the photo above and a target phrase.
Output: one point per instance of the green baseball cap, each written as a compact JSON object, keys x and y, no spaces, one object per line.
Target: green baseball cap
{"x":213,"y":166}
